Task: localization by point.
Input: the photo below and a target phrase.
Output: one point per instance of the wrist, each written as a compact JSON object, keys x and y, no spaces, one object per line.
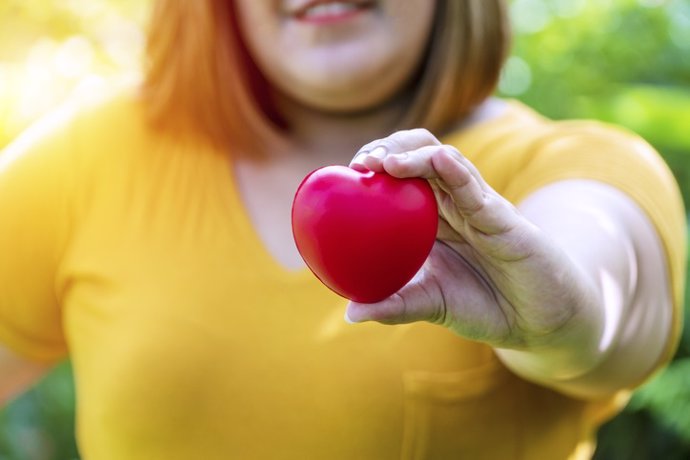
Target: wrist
{"x":570,"y":351}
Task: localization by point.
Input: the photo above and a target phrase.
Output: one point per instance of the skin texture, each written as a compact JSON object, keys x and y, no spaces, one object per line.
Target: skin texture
{"x":345,"y":66}
{"x":555,"y":286}
{"x":340,"y":86}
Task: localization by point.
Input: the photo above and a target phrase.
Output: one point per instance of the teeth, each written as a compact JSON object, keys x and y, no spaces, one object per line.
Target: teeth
{"x":329,"y":9}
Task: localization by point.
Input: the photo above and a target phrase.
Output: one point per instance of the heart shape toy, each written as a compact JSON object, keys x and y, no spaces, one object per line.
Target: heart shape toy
{"x":363,"y":234}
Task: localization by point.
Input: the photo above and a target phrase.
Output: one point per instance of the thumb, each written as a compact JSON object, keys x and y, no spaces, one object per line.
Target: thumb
{"x":410,"y":304}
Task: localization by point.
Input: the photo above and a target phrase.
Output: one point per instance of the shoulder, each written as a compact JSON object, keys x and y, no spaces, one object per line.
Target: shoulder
{"x":72,"y":154}
{"x":512,"y":122}
{"x":113,"y":124}
{"x":76,"y":125}
{"x":519,"y":151}
{"x":517,"y":137}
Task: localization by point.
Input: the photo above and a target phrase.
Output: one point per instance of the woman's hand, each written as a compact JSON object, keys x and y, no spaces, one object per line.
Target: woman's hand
{"x":492,"y":276}
{"x":554,"y":303}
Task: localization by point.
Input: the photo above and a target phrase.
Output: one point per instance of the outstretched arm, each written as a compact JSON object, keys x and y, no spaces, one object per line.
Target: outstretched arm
{"x":605,"y":233}
{"x":567,"y":287}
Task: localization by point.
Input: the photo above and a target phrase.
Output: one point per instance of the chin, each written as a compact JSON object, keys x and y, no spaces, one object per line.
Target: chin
{"x":348,"y":102}
{"x":334,"y":93}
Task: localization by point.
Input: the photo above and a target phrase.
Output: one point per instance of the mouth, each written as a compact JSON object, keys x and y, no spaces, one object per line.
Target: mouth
{"x":323,"y":11}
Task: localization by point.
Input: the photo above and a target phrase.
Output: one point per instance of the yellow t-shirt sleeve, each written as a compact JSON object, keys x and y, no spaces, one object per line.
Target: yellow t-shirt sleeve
{"x":594,"y":151}
{"x":34,"y":219}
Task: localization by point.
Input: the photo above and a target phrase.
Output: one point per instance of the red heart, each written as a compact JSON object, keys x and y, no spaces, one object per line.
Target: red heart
{"x":363,"y":234}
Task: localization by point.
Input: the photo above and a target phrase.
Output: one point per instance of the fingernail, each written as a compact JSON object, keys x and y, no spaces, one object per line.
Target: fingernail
{"x":347,"y":319}
{"x":358,"y":159}
{"x":378,"y":152}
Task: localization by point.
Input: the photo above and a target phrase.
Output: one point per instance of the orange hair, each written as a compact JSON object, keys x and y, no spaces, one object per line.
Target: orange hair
{"x":200,"y":77}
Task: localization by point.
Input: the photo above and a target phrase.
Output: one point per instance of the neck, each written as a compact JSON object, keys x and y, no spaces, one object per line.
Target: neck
{"x":336,"y":137}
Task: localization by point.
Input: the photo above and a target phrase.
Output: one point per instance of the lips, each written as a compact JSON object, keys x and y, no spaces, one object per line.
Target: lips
{"x":320,"y":9}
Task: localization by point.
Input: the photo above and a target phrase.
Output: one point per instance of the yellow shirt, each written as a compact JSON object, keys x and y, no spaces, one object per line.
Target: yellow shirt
{"x":131,"y":253}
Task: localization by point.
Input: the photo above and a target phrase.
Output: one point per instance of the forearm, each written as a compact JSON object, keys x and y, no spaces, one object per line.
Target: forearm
{"x":621,"y":323}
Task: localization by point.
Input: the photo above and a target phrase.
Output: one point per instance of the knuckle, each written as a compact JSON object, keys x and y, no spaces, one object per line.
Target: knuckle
{"x":366,"y":148}
{"x":402,"y":141}
{"x":438,"y":151}
{"x":424,"y":135}
{"x":453,"y":151}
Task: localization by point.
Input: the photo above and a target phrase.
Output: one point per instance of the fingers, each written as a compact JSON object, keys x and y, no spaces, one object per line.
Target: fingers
{"x":413,"y":303}
{"x":402,"y":141}
{"x":459,"y":181}
{"x":462,"y":193}
{"x":444,"y":164}
{"x":370,"y":156}
{"x":389,"y":311}
{"x":416,"y":145}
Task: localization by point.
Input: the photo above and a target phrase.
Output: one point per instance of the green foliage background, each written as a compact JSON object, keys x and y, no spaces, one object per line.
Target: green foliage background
{"x":621,"y":61}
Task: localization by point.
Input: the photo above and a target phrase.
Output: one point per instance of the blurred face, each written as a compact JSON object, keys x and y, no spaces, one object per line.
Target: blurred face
{"x":336,"y":55}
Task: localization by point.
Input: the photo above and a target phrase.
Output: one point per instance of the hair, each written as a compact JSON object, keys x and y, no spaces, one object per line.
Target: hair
{"x":201,"y":79}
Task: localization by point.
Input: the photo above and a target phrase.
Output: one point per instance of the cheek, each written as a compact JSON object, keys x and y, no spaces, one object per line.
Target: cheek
{"x":258,"y":23}
{"x":412,"y":21}
{"x":409,"y":31}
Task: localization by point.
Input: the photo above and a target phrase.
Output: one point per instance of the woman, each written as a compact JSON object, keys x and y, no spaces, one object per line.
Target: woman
{"x":148,"y":238}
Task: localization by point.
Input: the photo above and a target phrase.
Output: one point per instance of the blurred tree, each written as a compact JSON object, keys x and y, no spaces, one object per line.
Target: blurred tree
{"x":621,"y":61}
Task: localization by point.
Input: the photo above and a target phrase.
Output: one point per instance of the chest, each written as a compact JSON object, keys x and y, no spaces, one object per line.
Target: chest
{"x":179,"y":321}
